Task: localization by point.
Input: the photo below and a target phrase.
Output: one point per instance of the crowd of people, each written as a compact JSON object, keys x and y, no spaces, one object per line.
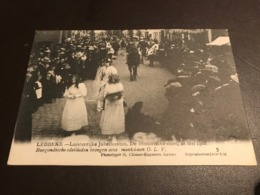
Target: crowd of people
{"x":59,"y":70}
{"x":201,"y":95}
{"x":204,"y":99}
{"x":51,"y":66}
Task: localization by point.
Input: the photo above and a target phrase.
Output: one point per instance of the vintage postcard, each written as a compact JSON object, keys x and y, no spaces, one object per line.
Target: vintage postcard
{"x":132,"y":97}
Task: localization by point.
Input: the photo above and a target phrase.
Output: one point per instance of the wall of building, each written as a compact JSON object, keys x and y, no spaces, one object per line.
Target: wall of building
{"x":48,"y":36}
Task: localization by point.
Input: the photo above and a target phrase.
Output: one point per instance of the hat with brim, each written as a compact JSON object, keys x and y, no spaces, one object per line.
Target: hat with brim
{"x":49,"y":72}
{"x":30,"y":69}
{"x":47,"y":51}
{"x":174,"y":85}
{"x":198,"y":87}
{"x":91,"y":48}
{"x":78,"y":55}
{"x":210,"y":68}
{"x":215,"y":78}
{"x":183,"y":77}
{"x":28,"y":74}
{"x":170,"y":81}
{"x":46,"y":60}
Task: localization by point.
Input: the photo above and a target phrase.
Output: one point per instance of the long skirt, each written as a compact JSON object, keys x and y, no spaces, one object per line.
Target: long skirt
{"x":113,"y":117}
{"x":74,"y":115}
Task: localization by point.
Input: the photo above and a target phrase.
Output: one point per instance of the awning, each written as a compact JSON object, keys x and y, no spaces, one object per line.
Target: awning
{"x":220,"y":41}
{"x":191,"y":31}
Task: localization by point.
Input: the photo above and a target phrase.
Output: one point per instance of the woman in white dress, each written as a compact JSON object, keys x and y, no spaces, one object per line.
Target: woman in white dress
{"x":112,"y":120}
{"x":102,"y":77}
{"x":98,"y":85}
{"x":74,"y":115}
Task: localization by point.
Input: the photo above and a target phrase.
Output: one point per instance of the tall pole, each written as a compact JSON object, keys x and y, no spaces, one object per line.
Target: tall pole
{"x":60,"y":36}
{"x":209,"y":35}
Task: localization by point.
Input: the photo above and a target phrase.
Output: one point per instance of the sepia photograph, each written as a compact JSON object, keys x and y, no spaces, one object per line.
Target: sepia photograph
{"x":127,"y":90}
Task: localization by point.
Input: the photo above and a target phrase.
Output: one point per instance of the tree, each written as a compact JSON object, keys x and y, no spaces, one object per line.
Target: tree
{"x":92,"y":35}
{"x":139,"y":33}
{"x":118,"y":33}
{"x":109,"y":33}
{"x":130,"y":33}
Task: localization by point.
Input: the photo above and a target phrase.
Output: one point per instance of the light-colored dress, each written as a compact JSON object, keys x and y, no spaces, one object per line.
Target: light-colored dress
{"x":98,"y":86}
{"x":113,"y":117}
{"x":109,"y":71}
{"x":75,"y":114}
{"x":102,"y":78}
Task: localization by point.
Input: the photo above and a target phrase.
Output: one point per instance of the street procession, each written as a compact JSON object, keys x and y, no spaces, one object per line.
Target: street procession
{"x":151,"y":84}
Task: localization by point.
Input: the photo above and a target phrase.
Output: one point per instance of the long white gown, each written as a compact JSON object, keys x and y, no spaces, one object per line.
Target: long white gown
{"x":113,"y":117}
{"x":75,"y":114}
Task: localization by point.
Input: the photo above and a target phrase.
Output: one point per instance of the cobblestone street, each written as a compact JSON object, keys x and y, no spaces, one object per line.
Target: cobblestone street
{"x":148,"y":89}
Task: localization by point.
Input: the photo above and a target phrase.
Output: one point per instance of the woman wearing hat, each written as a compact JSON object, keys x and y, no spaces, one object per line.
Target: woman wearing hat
{"x":44,"y":66}
{"x":74,"y":115}
{"x":112,"y":120}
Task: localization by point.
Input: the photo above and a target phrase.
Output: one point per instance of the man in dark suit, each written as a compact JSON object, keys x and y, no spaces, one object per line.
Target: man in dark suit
{"x":133,"y":59}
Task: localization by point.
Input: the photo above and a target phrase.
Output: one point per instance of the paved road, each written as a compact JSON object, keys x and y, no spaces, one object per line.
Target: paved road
{"x":148,"y":88}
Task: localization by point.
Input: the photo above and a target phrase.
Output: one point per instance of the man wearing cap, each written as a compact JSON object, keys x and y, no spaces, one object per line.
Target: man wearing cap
{"x":152,"y":52}
{"x":47,"y":52}
{"x":115,"y":46}
{"x":133,"y":60}
{"x":102,"y":49}
{"x":77,"y":60}
{"x":142,"y":45}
